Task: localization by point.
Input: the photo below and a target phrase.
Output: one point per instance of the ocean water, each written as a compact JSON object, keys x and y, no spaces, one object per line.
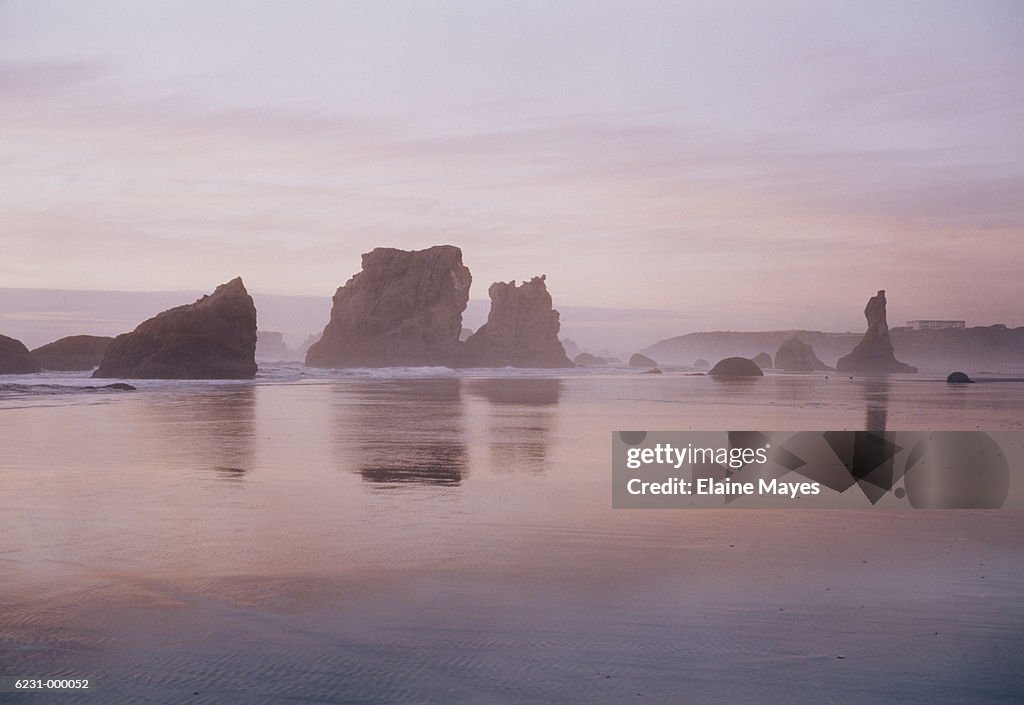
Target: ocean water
{"x":431,"y":536}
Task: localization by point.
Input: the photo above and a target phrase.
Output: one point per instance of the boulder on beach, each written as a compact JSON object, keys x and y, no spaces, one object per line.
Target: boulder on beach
{"x":521,"y":329}
{"x":213,"y":338}
{"x":736,"y":367}
{"x":15,"y":359}
{"x":959,"y":378}
{"x":874,"y":352}
{"x":794,"y":355}
{"x":76,"y":352}
{"x":403,"y":309}
{"x":764,"y":361}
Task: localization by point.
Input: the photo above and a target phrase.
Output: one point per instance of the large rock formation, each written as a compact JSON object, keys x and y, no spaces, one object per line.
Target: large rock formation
{"x":763,"y":360}
{"x":521,"y":329}
{"x":403,"y":308}
{"x":874,"y":352}
{"x":214,"y":338}
{"x":76,"y":352}
{"x":15,"y":359}
{"x":794,"y":355}
{"x":736,"y":367}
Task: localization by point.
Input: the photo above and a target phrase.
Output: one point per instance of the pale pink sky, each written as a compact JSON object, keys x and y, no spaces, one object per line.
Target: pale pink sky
{"x":748,"y":164}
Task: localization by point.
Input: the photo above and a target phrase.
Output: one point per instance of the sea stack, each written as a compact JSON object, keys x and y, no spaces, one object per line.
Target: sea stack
{"x":794,"y":355}
{"x":213,"y":338}
{"x":521,"y":329}
{"x":403,"y":309}
{"x":874,"y":352}
{"x":76,"y":352}
{"x":15,"y":359}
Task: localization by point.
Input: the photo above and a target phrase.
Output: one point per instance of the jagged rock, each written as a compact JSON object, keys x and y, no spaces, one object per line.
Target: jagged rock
{"x":638,"y":360}
{"x":521,"y":329}
{"x":15,"y":359}
{"x":403,"y":308}
{"x":794,"y":355}
{"x":959,"y":378}
{"x":270,"y":346}
{"x":701,"y":364}
{"x":213,"y":338}
{"x":764,"y":361}
{"x":736,"y":367}
{"x":588,"y":360}
{"x":874,"y":352}
{"x":76,"y":352}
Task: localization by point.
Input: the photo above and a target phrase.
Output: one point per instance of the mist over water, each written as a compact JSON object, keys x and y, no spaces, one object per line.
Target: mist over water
{"x":422,"y":536}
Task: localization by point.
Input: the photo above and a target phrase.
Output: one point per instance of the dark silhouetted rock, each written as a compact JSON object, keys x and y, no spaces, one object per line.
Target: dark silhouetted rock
{"x":701,"y":364}
{"x":403,"y":309}
{"x":588,"y":360}
{"x":874,"y":352}
{"x":794,"y":355}
{"x":521,"y":329}
{"x":213,"y":338}
{"x":638,"y":360}
{"x":270,"y":346}
{"x":116,"y":386}
{"x":959,"y":378}
{"x":736,"y":367}
{"x":15,"y":359}
{"x":77,"y":352}
{"x":764,"y":361}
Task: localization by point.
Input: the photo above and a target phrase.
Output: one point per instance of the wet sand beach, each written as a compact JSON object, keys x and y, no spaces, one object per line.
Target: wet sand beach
{"x":450,"y":539}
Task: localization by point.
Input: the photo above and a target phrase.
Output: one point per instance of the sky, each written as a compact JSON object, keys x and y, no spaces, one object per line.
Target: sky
{"x":749,"y":165}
